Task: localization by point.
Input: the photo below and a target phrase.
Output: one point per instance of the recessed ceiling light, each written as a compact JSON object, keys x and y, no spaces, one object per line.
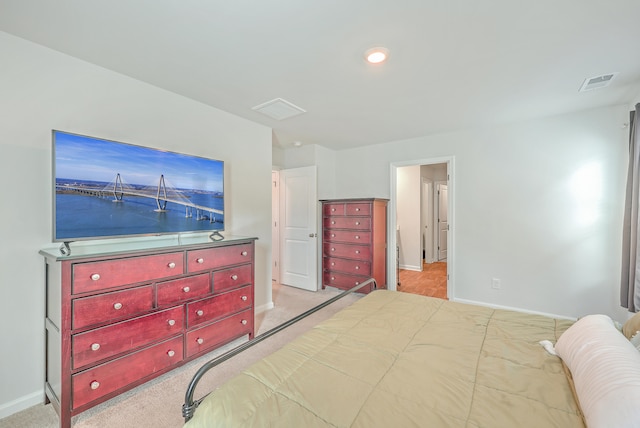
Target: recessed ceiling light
{"x":376,"y":55}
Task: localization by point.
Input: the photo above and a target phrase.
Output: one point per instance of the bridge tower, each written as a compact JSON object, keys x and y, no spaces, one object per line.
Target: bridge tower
{"x":161,"y":196}
{"x":118,"y":192}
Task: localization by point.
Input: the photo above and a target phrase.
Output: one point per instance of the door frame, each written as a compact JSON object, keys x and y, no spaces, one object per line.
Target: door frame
{"x":393,"y":206}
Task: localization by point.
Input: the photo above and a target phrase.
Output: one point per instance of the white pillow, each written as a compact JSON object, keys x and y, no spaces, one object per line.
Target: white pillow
{"x":605,"y":368}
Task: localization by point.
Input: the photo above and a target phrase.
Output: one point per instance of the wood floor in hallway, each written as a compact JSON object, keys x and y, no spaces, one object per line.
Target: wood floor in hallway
{"x":432,"y":281}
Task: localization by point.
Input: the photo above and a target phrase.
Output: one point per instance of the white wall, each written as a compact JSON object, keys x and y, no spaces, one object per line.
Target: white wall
{"x":522,"y":211}
{"x":408,"y":217}
{"x":44,"y":90}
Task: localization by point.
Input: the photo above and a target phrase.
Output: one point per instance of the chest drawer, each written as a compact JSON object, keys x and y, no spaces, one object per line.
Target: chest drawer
{"x":348,"y":236}
{"x":212,"y":258}
{"x":219,"y":306}
{"x":333,"y":209}
{"x":227,"y":279}
{"x":94,"y":276}
{"x":357,"y":223}
{"x":359,"y":252}
{"x":104,"y":379}
{"x":95,"y":345}
{"x":204,"y":338}
{"x":363,"y":209}
{"x":111,"y":306}
{"x":179,"y":290}
{"x":356,"y":267}
{"x":344,"y":281}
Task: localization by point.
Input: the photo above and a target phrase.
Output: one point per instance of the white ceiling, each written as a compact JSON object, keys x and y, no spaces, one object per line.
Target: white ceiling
{"x":454,"y":63}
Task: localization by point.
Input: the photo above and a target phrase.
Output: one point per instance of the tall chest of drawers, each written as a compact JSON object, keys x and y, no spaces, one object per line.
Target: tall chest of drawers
{"x":354,"y":242}
{"x":120,"y":318}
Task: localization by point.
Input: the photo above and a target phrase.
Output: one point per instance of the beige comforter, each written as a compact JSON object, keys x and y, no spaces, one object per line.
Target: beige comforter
{"x":400,"y":360}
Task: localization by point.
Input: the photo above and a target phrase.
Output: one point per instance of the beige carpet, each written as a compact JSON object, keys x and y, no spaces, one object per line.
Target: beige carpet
{"x":158,"y":403}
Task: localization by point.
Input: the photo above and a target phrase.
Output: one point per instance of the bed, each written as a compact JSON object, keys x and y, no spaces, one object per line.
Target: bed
{"x":399,"y":360}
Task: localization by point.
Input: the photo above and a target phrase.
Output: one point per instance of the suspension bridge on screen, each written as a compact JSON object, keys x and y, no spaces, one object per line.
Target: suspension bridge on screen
{"x":162,"y":194}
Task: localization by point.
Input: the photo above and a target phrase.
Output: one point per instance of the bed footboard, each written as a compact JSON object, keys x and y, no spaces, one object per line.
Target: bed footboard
{"x":189,"y":407}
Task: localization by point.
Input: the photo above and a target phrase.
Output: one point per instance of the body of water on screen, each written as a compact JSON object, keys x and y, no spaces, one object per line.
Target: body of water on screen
{"x":80,"y":215}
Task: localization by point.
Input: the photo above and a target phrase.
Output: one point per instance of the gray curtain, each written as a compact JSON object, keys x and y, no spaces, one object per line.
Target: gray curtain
{"x":630,"y":284}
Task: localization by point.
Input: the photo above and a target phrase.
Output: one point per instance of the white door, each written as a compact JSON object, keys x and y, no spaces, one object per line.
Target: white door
{"x":275,"y":226}
{"x":298,"y":222}
{"x":443,"y":225}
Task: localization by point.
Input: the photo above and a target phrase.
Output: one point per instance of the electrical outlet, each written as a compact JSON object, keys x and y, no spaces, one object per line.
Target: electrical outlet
{"x":495,"y":283}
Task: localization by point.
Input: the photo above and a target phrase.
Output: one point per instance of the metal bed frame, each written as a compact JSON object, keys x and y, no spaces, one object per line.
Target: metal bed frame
{"x":189,"y":407}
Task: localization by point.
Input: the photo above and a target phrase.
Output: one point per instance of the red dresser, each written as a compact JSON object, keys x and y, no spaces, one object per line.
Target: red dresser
{"x":354,"y":242}
{"x":117,"y":319}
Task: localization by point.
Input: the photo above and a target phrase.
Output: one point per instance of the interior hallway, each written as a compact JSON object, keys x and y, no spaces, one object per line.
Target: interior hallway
{"x":432,"y":281}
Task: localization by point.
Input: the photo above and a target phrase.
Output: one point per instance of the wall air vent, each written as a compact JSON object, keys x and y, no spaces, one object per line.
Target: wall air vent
{"x":279,"y":109}
{"x":597,"y":82}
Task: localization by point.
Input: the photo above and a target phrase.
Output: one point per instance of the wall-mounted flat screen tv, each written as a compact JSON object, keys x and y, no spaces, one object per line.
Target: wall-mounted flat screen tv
{"x":105,"y":189}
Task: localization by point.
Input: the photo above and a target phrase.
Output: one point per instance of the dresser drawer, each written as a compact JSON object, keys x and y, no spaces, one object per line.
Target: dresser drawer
{"x":344,"y":281}
{"x":219,"y":306}
{"x":357,"y":267}
{"x":95,"y":345}
{"x":358,"y":252}
{"x":227,"y":279}
{"x":333,"y":209}
{"x":212,"y":335}
{"x":95,"y":276}
{"x":111,"y":306}
{"x":348,"y":236}
{"x":180,"y":290}
{"x":356,"y":223}
{"x":353,"y":208}
{"x":212,"y":258}
{"x":101,"y":380}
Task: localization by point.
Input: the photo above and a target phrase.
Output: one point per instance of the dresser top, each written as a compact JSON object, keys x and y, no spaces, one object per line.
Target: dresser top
{"x":109,"y":247}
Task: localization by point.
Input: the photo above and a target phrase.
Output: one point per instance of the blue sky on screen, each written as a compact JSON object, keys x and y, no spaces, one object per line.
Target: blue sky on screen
{"x":86,"y":158}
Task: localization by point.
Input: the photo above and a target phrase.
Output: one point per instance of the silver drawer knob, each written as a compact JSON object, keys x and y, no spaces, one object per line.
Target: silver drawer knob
{"x":357,"y":282}
{"x":171,"y":322}
{"x":357,"y":267}
{"x":357,"y":236}
{"x":333,"y":222}
{"x":95,"y":385}
{"x":200,"y":341}
{"x":333,"y":263}
{"x":95,"y":276}
{"x":171,"y":265}
{"x":333,"y":278}
{"x":244,"y":298}
{"x":357,"y":223}
{"x":186,"y":289}
{"x":244,"y":253}
{"x":200,"y":260}
{"x":333,"y":209}
{"x":357,"y":209}
{"x":199,"y":312}
{"x":357,"y":251}
{"x":333,"y":249}
{"x":171,"y":353}
{"x":244,"y":322}
{"x":234,"y":277}
{"x":117,"y":306}
{"x":95,"y":346}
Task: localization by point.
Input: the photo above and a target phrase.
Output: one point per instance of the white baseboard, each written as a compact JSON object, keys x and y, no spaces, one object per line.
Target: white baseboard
{"x":21,"y":403}
{"x":265,"y":307}
{"x":509,"y":308}
{"x":411,"y":267}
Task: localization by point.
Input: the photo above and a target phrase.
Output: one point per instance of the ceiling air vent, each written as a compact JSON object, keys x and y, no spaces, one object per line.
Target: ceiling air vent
{"x":597,"y":82}
{"x":279,"y":109}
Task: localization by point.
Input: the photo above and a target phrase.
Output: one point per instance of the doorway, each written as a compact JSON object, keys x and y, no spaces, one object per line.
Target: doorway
{"x":421,"y":242}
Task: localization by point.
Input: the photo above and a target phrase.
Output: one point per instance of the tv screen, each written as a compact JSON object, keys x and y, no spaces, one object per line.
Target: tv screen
{"x":105,"y":189}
